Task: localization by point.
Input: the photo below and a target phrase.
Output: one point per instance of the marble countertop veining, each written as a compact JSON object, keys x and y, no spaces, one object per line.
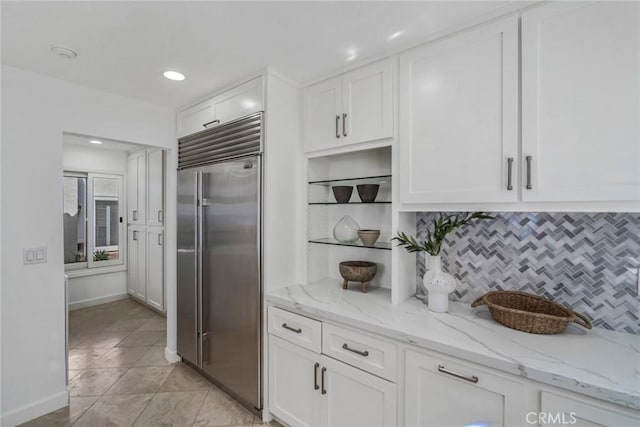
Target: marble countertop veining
{"x":598,"y":363}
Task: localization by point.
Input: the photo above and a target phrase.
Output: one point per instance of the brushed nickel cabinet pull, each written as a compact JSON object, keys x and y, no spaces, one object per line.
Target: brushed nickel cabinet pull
{"x":529,"y":186}
{"x":471,"y":379}
{"x":337,"y":126}
{"x":159,"y":216}
{"x":324,"y":390}
{"x":509,"y":173}
{"x":315,"y":376}
{"x":297,"y":331}
{"x":135,"y":235}
{"x":361,"y":353}
{"x":159,"y":239}
{"x":210,"y":123}
{"x":344,"y":124}
{"x":135,"y":215}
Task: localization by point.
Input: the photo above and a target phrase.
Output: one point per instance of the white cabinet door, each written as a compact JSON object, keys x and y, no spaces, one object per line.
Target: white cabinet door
{"x":367,"y":103}
{"x":580,"y":101}
{"x":322,"y":110}
{"x":294,"y":378}
{"x":351,"y":397}
{"x":239,"y":101}
{"x":556,"y":410}
{"x":440,"y":391}
{"x":136,"y":265}
{"x":196,"y":118}
{"x":155,"y":186}
{"x":155,"y":267}
{"x":459,"y":117}
{"x":136,"y":188}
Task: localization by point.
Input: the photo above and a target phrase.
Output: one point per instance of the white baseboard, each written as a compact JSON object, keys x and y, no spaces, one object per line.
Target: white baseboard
{"x":96,"y":301}
{"x":171,"y":355}
{"x":34,"y":410}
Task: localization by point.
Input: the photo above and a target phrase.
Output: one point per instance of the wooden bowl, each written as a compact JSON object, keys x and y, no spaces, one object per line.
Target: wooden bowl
{"x":369,"y":237}
{"x":358,"y":271}
{"x":342,"y":193}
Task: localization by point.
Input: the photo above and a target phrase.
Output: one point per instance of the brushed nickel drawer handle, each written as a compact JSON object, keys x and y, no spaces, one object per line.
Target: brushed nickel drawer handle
{"x":344,"y":124}
{"x":315,"y":376}
{"x":361,"y":353}
{"x":297,"y":331}
{"x":528,"y":186}
{"x":210,"y":123}
{"x":509,"y":173}
{"x":159,"y":216}
{"x":135,"y":215}
{"x":337,"y":126}
{"x":324,"y":390}
{"x":471,"y":379}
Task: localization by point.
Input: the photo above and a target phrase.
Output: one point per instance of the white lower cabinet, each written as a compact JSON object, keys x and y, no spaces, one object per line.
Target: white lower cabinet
{"x":155,"y":267}
{"x":556,"y":410}
{"x":440,"y":391}
{"x":136,"y":264}
{"x":310,"y":389}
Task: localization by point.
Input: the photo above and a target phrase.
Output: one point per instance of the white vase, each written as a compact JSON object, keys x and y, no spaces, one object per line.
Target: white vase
{"x":438,"y":284}
{"x":346,"y":230}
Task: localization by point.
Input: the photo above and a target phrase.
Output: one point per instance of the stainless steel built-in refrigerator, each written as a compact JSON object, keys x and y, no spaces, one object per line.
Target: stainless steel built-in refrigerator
{"x":219,"y":256}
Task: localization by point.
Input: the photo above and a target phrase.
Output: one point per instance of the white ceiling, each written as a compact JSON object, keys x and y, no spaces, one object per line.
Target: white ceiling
{"x":124,"y":47}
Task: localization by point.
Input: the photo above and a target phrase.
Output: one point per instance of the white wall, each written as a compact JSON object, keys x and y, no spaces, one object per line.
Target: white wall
{"x":98,"y":288}
{"x":35,"y":112}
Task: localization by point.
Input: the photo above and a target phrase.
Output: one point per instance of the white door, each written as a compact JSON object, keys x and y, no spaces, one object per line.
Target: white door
{"x":322,"y":110}
{"x":196,"y":118}
{"x":155,"y":187}
{"x":561,"y":410}
{"x":580,"y":102}
{"x":444,"y":392}
{"x":136,"y":267}
{"x":155,"y":267}
{"x":294,"y":383}
{"x":239,"y":101}
{"x":458,"y":136}
{"x":352,"y":398}
{"x":367,"y":103}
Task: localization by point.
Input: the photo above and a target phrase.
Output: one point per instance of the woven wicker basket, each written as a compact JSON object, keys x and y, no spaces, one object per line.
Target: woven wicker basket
{"x":529,"y":313}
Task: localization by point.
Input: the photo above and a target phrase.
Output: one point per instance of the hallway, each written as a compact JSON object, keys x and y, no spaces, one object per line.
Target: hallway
{"x":118,"y":376}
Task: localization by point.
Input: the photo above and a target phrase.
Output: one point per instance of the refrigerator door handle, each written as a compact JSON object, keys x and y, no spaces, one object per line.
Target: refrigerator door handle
{"x":199,"y":267}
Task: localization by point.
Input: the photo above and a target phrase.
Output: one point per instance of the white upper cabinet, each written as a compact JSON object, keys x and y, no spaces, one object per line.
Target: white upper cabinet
{"x":323,"y":115}
{"x":136,"y":188}
{"x":238,"y":102}
{"x":458,"y":137}
{"x":155,"y":187}
{"x":580,"y":102}
{"x":367,"y":103}
{"x":196,"y":118}
{"x":352,"y":108}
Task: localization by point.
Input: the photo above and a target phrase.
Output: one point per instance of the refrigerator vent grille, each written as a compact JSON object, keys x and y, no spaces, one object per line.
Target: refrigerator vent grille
{"x":237,"y":138}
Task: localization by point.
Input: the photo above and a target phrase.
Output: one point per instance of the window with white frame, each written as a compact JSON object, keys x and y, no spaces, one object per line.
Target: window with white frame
{"x":93,"y":227}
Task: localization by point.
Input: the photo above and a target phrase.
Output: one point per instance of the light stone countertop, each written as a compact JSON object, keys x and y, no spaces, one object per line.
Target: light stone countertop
{"x":598,"y":363}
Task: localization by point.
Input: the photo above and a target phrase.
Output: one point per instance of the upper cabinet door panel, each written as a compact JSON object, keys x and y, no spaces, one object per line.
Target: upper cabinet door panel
{"x":239,"y":101}
{"x":459,"y":117}
{"x":196,"y":118}
{"x":323,"y":115}
{"x":155,"y":185}
{"x":367,"y":103}
{"x":580,"y":101}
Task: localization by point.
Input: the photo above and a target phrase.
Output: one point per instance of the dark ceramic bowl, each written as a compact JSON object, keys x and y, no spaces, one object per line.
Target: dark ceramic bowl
{"x":342,"y":193}
{"x":368,"y":192}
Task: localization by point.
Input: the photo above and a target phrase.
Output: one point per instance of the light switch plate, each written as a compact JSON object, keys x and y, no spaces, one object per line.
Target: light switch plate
{"x":34,"y":255}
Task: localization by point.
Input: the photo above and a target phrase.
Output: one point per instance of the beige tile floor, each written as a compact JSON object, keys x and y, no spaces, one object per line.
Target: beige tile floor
{"x":118,"y":376}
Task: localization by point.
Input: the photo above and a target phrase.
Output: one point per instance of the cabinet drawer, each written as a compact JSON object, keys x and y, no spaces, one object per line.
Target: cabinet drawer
{"x":362,"y":351}
{"x":297,"y":329}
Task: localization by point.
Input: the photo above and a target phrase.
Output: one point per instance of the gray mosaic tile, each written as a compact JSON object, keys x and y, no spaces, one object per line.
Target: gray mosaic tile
{"x":585,"y":261}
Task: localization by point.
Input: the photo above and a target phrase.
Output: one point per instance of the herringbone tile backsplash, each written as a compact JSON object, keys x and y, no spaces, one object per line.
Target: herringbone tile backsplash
{"x":585,"y":261}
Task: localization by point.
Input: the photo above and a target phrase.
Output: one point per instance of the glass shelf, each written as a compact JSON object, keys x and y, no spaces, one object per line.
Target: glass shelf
{"x":350,"y":203}
{"x":381,"y":179}
{"x":357,"y":243}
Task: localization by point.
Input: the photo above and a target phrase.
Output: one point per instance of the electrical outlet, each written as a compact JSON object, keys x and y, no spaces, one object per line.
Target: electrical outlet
{"x":34,"y":255}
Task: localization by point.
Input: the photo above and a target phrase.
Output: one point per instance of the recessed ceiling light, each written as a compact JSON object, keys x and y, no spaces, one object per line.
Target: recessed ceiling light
{"x":95,"y":141}
{"x":394,"y":35}
{"x":63,"y":52}
{"x":174,"y":75}
{"x":351,"y":54}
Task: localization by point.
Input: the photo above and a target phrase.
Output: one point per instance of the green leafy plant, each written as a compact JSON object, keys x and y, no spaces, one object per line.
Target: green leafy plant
{"x":100,"y":256}
{"x":442,"y":226}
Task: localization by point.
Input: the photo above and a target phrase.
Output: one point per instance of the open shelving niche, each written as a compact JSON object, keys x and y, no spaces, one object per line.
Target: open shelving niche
{"x":324,"y":253}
